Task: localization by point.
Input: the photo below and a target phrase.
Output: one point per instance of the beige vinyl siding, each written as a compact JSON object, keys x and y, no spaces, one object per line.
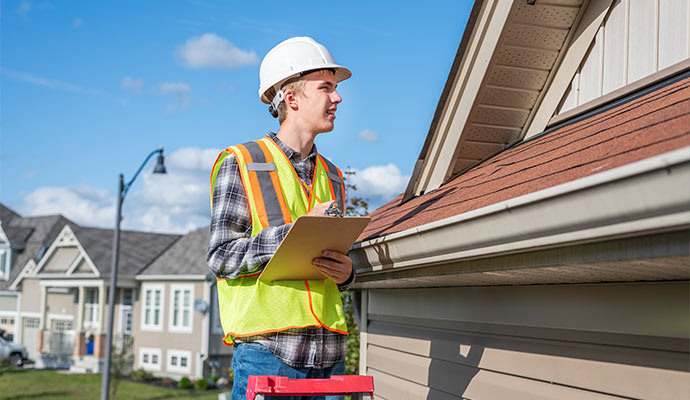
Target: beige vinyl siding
{"x":31,"y":296}
{"x":61,"y":303}
{"x":8,"y":303}
{"x":61,"y":259}
{"x":596,"y":341}
{"x":637,"y":39}
{"x":165,"y":339}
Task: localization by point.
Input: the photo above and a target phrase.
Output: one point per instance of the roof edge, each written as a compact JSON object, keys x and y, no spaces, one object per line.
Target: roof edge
{"x":401,"y":254}
{"x":455,"y":67}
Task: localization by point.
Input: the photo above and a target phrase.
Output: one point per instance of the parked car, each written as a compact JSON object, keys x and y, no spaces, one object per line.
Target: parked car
{"x":15,"y":353}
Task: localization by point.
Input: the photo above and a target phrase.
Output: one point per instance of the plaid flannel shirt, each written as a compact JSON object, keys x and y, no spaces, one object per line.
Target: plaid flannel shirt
{"x":232,"y":252}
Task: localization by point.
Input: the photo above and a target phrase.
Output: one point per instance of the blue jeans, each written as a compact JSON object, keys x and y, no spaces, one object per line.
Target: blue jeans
{"x":254,"y":359}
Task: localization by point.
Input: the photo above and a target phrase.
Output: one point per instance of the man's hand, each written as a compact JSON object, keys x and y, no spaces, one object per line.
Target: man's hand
{"x":334,"y":265}
{"x":319,"y":210}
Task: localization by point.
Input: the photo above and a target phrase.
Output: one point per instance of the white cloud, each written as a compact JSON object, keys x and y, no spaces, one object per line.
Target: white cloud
{"x":77,"y":22}
{"x":24,"y":8}
{"x":82,"y":204}
{"x":212,"y":51}
{"x":179,"y":200}
{"x":178,"y":88}
{"x":175,"y":202}
{"x":378,"y":184}
{"x":132,"y":84}
{"x":49,"y":83}
{"x":368,"y":135}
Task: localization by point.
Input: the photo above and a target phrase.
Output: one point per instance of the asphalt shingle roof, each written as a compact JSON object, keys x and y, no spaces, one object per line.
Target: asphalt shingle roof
{"x":27,"y":236}
{"x":186,"y":257}
{"x":645,"y":126}
{"x":137,"y":249}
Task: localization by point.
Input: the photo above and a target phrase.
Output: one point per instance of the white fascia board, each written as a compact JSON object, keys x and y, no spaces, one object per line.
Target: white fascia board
{"x":171,"y":277}
{"x":46,"y":256}
{"x":6,"y":293}
{"x":614,"y":203}
{"x":72,"y":283}
{"x":30,"y":265}
{"x":3,"y":237}
{"x":470,"y":76}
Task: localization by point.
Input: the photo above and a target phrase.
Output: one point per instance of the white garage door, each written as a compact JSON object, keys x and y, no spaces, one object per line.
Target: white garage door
{"x":30,"y":337}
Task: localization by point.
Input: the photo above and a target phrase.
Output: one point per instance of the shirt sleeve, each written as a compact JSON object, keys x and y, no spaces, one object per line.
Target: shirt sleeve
{"x":231,"y":251}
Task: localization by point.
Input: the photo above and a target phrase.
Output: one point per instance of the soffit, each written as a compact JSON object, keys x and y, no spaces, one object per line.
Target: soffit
{"x":529,"y":47}
{"x":521,"y":64}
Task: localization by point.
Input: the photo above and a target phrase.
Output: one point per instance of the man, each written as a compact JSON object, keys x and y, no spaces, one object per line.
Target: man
{"x":288,"y":328}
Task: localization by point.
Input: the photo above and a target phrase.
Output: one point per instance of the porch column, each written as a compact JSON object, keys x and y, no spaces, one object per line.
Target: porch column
{"x":101,"y":308}
{"x":79,"y":340}
{"x":44,"y":316}
{"x":99,"y":338}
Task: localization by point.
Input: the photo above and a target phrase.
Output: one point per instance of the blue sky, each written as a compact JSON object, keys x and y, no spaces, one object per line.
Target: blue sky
{"x":89,"y":88}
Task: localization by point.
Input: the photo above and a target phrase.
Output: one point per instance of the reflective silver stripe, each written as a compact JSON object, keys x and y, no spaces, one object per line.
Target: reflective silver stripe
{"x":268,"y":191}
{"x":334,"y":177}
{"x":338,"y":184}
{"x":256,"y":166}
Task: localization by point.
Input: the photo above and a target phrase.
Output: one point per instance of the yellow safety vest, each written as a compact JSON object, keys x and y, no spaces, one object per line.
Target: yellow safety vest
{"x":276,"y":197}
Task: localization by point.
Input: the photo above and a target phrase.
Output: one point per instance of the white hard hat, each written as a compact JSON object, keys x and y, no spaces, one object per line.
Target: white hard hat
{"x":291,"y":58}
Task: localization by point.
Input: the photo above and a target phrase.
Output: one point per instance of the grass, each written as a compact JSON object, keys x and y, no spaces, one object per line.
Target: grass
{"x":24,"y":384}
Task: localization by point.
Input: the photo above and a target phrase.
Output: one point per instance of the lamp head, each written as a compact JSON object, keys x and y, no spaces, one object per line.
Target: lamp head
{"x":160,"y":165}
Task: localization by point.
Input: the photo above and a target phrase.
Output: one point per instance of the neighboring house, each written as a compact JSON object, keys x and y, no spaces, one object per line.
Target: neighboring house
{"x":178,"y":294}
{"x":541,"y":247}
{"x":22,"y":241}
{"x":58,"y":289}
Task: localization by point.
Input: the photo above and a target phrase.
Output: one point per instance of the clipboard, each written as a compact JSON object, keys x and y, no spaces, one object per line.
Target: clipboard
{"x":308,"y":237}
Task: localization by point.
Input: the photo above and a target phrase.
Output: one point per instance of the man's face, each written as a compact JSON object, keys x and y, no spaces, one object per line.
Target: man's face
{"x":318,"y":101}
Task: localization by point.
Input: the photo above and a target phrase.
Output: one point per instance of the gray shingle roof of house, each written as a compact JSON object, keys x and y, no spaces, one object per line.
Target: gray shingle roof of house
{"x":186,"y":257}
{"x":28,"y":235}
{"x":6,"y":215}
{"x":137,"y":249}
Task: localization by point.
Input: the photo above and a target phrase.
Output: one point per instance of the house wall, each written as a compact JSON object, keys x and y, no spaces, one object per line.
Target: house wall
{"x":61,"y":303}
{"x":61,"y":259}
{"x":637,"y":39}
{"x":549,"y":342}
{"x":165,"y":340}
{"x":8,"y":303}
{"x":31,"y":296}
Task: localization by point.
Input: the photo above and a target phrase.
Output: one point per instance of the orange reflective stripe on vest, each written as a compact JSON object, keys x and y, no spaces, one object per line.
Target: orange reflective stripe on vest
{"x":277,"y":196}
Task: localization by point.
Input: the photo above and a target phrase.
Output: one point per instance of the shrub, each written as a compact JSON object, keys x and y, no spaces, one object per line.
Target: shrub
{"x":140,"y":375}
{"x":214,"y":378}
{"x":201,"y":384}
{"x":184,"y":383}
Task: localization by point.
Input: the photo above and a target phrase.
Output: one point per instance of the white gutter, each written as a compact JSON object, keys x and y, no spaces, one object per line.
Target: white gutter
{"x":613,"y":203}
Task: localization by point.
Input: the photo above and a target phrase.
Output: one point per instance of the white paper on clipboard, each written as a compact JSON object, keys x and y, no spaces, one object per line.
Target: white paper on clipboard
{"x":308,"y":237}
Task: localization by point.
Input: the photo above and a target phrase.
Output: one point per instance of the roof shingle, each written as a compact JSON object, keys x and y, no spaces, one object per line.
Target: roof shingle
{"x":645,"y":126}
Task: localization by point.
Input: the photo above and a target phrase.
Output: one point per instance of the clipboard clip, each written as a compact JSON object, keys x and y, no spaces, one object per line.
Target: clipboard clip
{"x":333,"y":210}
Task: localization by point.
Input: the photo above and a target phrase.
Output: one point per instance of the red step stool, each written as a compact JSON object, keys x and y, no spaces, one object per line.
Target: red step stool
{"x":361,"y":387}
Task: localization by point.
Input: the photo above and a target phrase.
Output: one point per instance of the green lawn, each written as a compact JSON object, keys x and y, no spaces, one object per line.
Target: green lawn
{"x":26,"y":384}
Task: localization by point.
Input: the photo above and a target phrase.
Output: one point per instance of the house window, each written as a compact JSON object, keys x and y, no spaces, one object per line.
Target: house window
{"x":4,"y":263}
{"x":91,"y":308}
{"x":181,"y":308}
{"x":6,"y":321}
{"x":126,"y":311}
{"x":149,"y":359}
{"x":153,"y":304}
{"x":62,"y":325}
{"x":179,"y":361}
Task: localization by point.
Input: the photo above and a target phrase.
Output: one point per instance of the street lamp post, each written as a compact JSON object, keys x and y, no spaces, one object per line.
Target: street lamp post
{"x":122,"y":192}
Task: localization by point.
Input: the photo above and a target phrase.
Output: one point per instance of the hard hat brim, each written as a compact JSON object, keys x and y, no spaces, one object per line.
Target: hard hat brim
{"x":341,"y":74}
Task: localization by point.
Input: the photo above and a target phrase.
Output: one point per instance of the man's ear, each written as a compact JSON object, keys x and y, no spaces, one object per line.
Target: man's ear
{"x":290,"y":99}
